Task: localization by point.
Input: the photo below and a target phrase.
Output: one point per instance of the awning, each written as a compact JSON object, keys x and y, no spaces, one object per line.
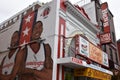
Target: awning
{"x":74,"y":63}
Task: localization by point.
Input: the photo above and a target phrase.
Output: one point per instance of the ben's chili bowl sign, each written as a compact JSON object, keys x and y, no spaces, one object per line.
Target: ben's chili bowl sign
{"x":105,"y":38}
{"x":92,"y":52}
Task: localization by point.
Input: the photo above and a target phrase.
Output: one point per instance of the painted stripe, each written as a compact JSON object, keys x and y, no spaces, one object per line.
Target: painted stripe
{"x":63,"y":28}
{"x":61,"y":43}
{"x":64,"y":31}
{"x":58,"y":70}
{"x":77,"y":44}
{"x":64,"y":38}
{"x":62,"y":34}
{"x":61,"y":40}
{"x":59,"y":46}
{"x":63,"y":73}
{"x":61,"y":31}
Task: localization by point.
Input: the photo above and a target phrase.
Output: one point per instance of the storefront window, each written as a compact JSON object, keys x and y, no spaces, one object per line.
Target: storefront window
{"x":116,"y":58}
{"x":69,"y":74}
{"x":71,"y":50}
{"x":111,"y":54}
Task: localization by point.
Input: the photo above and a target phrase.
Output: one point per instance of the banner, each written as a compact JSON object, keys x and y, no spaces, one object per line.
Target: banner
{"x":26,"y":28}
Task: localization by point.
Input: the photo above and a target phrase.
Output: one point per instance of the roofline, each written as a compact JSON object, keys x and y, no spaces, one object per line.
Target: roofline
{"x":67,"y":3}
{"x":21,"y":12}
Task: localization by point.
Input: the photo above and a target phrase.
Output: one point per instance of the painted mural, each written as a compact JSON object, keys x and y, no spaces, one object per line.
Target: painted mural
{"x":26,"y":46}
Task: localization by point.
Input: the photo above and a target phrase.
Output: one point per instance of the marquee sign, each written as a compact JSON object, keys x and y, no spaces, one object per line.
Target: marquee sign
{"x":95,"y":54}
{"x":91,"y":51}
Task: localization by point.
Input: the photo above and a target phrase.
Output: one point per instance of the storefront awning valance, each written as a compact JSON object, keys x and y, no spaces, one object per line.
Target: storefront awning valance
{"x":74,"y":63}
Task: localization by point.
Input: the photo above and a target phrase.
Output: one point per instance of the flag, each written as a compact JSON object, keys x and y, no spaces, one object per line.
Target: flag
{"x":26,"y":28}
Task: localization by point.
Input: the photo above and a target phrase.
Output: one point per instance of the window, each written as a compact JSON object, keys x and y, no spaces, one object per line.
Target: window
{"x":116,"y":58}
{"x":111,"y":55}
{"x":104,"y":48}
{"x":113,"y":36}
{"x":101,"y":26}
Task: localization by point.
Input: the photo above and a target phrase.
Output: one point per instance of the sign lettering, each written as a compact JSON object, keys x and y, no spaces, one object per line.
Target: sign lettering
{"x":105,"y":38}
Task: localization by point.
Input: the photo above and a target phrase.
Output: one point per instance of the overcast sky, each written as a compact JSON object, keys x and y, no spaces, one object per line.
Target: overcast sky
{"x":9,"y":8}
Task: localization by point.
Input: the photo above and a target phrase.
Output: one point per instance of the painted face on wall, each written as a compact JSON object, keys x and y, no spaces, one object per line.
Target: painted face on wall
{"x":37,"y":30}
{"x":14,"y":39}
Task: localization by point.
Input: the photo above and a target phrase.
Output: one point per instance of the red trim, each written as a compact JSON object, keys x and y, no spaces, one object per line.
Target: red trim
{"x":59,"y":38}
{"x":104,"y":5}
{"x":82,"y":11}
{"x":60,"y":35}
{"x":59,"y":46}
{"x":58,"y":53}
{"x":62,"y":5}
{"x":77,"y":44}
{"x":62,"y":72}
{"x":64,"y":38}
{"x":62,"y":21}
{"x":58,"y":70}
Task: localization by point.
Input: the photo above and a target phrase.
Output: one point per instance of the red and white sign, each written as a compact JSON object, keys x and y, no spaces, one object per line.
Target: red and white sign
{"x":104,"y":8}
{"x":91,"y":51}
{"x":105,"y":38}
{"x":77,"y":60}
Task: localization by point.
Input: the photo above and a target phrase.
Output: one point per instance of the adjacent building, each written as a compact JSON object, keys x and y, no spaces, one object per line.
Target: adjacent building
{"x":102,"y":17}
{"x":118,"y":46}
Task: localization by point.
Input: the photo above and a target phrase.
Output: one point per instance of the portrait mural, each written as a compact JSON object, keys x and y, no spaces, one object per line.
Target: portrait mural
{"x":28,"y":50}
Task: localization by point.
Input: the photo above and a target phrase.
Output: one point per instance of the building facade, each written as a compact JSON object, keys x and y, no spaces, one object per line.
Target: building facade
{"x":103,"y":18}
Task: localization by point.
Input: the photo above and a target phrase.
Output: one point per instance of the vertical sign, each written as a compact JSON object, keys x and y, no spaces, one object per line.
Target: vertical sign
{"x":104,"y":8}
{"x":105,"y":38}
